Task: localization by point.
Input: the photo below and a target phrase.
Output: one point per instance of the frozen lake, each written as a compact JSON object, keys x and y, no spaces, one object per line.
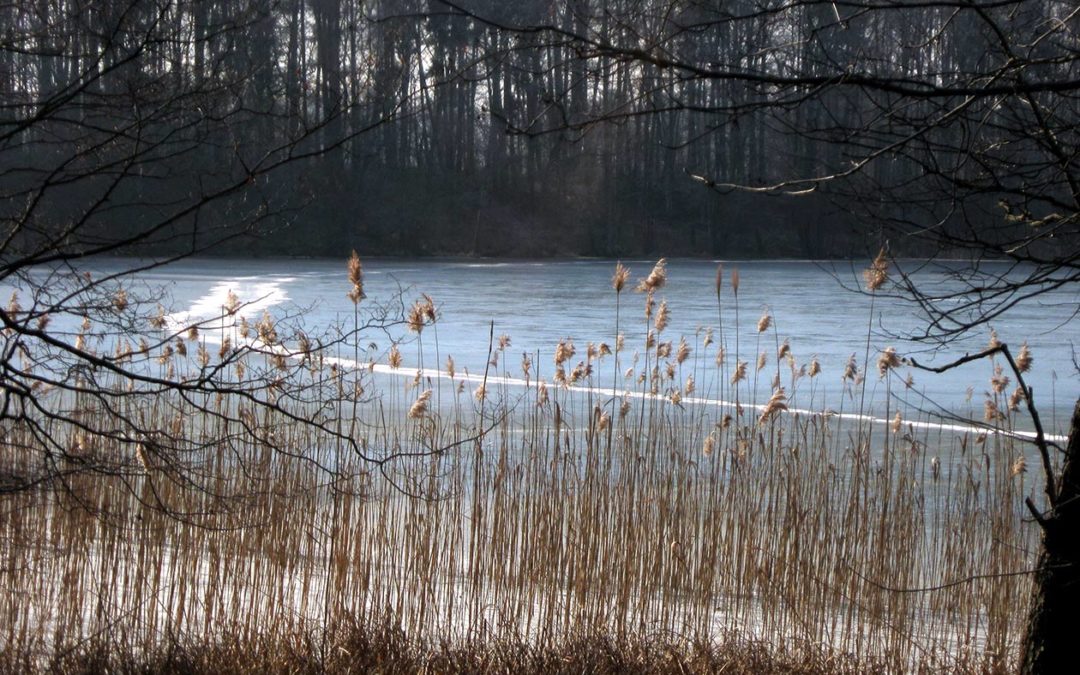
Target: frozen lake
{"x":539,"y":303}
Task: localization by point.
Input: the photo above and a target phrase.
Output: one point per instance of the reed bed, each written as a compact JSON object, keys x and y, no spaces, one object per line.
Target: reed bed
{"x":630,"y":522}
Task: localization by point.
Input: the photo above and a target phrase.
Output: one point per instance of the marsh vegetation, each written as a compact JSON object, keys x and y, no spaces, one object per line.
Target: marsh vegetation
{"x":707,"y":501}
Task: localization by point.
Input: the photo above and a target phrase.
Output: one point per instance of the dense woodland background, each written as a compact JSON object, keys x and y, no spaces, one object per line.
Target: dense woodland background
{"x":413,"y":127}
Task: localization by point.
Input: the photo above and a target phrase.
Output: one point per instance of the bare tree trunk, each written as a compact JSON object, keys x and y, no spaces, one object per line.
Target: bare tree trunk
{"x":1050,"y":642}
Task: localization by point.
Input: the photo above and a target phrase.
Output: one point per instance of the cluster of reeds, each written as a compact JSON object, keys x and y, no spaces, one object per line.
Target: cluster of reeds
{"x":694,"y":499}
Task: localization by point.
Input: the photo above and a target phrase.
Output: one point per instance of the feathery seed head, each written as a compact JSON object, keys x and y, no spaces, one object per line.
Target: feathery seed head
{"x":877,"y":274}
{"x":356,"y":278}
{"x":656,"y":279}
{"x":662,"y":317}
{"x":777,"y":403}
{"x":740,"y":372}
{"x":999,"y":381}
{"x":232,"y":303}
{"x":764,"y":322}
{"x":1015,"y":398}
{"x":428,"y":307}
{"x":419,"y":407}
{"x":709,"y":445}
{"x":1024,"y":359}
{"x":603,"y":422}
{"x":564,"y":351}
{"x":887,"y":361}
{"x":618,"y":280}
{"x":851,"y":370}
{"x":416,"y":317}
{"x":158,"y":321}
{"x":785,"y":349}
{"x":1018,"y":467}
{"x":663,"y":350}
{"x":683,"y":352}
{"x":120,"y":300}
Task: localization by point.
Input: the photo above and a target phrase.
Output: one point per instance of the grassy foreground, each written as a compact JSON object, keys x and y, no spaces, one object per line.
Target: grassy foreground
{"x":384,"y":649}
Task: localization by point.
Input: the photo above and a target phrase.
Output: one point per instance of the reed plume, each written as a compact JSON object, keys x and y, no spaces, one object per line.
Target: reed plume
{"x":1018,"y":467}
{"x":1015,"y":398}
{"x":120,"y":300}
{"x":764,"y":322}
{"x":158,"y":321}
{"x":416,"y":317}
{"x":356,"y":279}
{"x":785,"y":350}
{"x":740,"y":372}
{"x":662,"y":317}
{"x":887,"y":360}
{"x":232,"y":303}
{"x":1024,"y":359}
{"x":683,"y":351}
{"x":656,"y":279}
{"x":419,"y":407}
{"x":877,"y":274}
{"x":851,"y":369}
{"x":777,"y":403}
{"x":618,"y":280}
{"x":564,"y":351}
{"x":709,"y":445}
{"x":999,"y":381}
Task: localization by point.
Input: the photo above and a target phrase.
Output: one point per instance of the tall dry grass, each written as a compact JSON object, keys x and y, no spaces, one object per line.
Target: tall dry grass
{"x":507,"y":510}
